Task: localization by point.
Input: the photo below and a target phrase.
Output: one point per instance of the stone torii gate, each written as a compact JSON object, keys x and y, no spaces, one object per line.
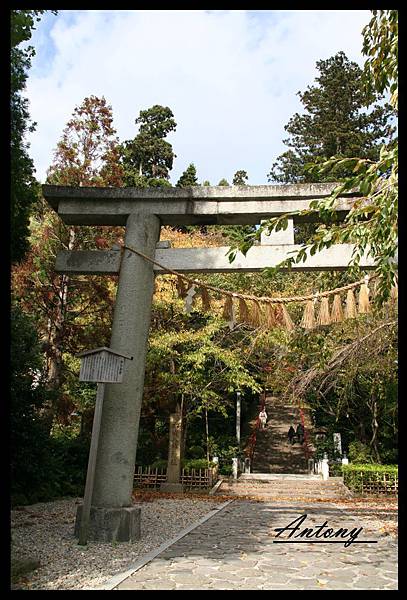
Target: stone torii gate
{"x":143,"y":211}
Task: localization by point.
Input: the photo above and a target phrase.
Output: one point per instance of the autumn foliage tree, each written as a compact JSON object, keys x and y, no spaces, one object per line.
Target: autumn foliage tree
{"x":88,"y":152}
{"x":73,"y":313}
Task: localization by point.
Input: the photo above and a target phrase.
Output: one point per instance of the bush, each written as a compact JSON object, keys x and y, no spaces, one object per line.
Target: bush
{"x":325,"y":445}
{"x":370,"y":477}
{"x":197,"y":463}
{"x":72,"y":455}
{"x":19,"y":500}
{"x":226,"y":470}
{"x":161,"y":463}
{"x":64,"y":474}
{"x":335,"y":469}
{"x":389,"y":456}
{"x":360,"y":453}
{"x":196,"y":452}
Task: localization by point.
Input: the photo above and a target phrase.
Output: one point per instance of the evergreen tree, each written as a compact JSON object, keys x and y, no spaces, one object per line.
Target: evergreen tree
{"x":240,"y":178}
{"x":23,"y":186}
{"x":334,"y":124}
{"x":372,"y":224}
{"x":148,"y":158}
{"x":235,"y":234}
{"x":188,"y":177}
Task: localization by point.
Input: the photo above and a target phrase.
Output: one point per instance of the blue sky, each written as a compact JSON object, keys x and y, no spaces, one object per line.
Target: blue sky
{"x":230,"y":77}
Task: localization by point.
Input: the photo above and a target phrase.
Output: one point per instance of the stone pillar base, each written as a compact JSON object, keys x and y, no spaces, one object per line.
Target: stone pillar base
{"x":111,"y":524}
{"x":171,"y":487}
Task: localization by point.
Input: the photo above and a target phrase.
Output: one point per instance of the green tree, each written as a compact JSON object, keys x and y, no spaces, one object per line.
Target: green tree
{"x":192,"y":362}
{"x":236,"y":234}
{"x":348,"y":376}
{"x":148,"y":158}
{"x":380,"y":45}
{"x":240,"y":178}
{"x":23,"y":185}
{"x":335,"y":123}
{"x":372,"y":222}
{"x":223,"y":181}
{"x":29,"y":396}
{"x":188,"y":177}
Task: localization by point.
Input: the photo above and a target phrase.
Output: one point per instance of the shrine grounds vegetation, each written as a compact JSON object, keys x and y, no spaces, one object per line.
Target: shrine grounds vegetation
{"x":195,"y":359}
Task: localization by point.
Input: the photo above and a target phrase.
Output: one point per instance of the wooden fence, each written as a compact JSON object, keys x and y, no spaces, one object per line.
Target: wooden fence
{"x":191,"y":478}
{"x":381,"y":484}
{"x":365,"y":482}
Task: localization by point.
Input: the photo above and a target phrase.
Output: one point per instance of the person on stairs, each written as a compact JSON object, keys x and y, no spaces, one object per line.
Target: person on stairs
{"x":300,"y":433}
{"x":263,"y":418}
{"x":291,"y":435}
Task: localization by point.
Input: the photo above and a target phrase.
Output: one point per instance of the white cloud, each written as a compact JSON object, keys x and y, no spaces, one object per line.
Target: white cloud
{"x":229,"y":77}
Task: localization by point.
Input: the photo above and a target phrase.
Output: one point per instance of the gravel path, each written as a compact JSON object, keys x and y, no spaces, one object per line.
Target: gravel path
{"x":44,"y":531}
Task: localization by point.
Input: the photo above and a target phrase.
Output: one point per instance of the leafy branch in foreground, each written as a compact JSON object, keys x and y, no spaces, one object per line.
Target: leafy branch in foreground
{"x":343,"y":361}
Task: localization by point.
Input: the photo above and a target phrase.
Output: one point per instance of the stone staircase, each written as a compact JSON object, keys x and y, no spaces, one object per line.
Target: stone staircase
{"x":273,"y":451}
{"x":311,"y":488}
{"x":279,"y":470}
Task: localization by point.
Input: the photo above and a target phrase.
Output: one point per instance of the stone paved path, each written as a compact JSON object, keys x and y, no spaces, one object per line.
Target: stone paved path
{"x":235,"y":550}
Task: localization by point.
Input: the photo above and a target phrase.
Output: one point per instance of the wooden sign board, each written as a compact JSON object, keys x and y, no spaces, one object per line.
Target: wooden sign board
{"x":102,"y":365}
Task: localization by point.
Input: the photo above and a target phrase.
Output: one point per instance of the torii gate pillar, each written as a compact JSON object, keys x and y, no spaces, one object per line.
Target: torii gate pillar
{"x":112,"y":517}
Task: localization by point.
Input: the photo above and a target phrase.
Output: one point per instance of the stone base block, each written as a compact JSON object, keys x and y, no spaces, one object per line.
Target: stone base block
{"x":111,"y":524}
{"x":171,"y":487}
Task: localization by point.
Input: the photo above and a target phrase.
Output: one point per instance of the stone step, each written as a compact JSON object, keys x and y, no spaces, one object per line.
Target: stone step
{"x":287,"y":485}
{"x":286,"y":481}
{"x":251,"y":477}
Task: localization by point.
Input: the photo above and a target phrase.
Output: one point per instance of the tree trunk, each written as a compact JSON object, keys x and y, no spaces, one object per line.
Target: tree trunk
{"x":183,"y":429}
{"x":184,"y":437}
{"x":55,"y":336}
{"x":375,"y":429}
{"x":362,"y":432}
{"x":207,"y":435}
